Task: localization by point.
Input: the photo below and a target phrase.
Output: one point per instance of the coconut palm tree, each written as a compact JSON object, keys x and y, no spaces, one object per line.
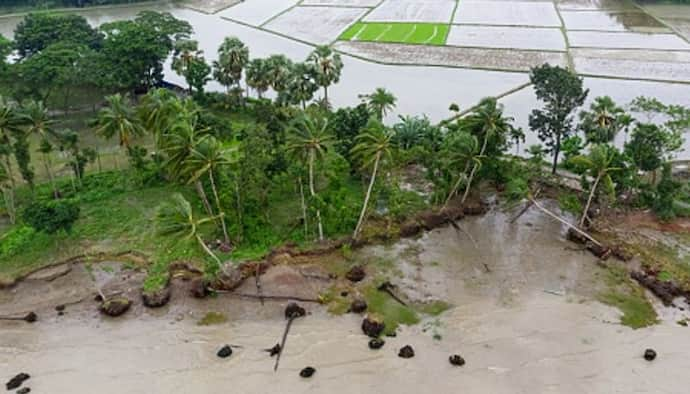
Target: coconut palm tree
{"x":488,"y":122}
{"x":460,"y":150}
{"x":328,"y":65}
{"x":206,"y":158}
{"x":233,"y":57}
{"x":603,"y":121}
{"x":119,"y":119}
{"x":379,"y":102}
{"x":599,"y":165}
{"x":11,"y":124}
{"x":373,"y":145}
{"x":177,"y":218}
{"x":38,"y":122}
{"x":309,"y":139}
{"x":258,"y":77}
{"x":156,"y":112}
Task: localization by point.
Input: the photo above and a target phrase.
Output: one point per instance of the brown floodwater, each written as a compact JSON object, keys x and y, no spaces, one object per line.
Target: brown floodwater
{"x":528,"y":324}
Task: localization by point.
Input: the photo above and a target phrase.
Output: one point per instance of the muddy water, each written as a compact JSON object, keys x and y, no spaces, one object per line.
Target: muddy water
{"x":528,"y":325}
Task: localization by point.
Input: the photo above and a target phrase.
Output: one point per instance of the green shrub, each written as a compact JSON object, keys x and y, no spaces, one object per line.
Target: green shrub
{"x":570,"y":203}
{"x":14,"y":241}
{"x":52,"y":215}
{"x":516,"y":189}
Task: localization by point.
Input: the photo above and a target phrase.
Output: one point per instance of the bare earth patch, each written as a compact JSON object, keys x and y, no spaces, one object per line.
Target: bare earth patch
{"x":496,"y":59}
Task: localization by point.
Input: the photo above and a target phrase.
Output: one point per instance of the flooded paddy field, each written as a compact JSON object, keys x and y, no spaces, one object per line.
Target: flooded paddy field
{"x":627,"y":40}
{"x":663,"y":65}
{"x":509,"y":13}
{"x":613,"y":21}
{"x":412,"y":11}
{"x":527,"y":324}
{"x":257,"y":12}
{"x":324,"y":26}
{"x":536,"y":38}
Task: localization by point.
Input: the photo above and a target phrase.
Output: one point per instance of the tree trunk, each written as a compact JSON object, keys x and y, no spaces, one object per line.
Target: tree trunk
{"x":456,"y":185}
{"x":589,"y":199}
{"x":304,"y":209}
{"x":226,"y":238}
{"x":366,"y":198}
{"x":313,"y":193}
{"x":206,"y":249}
{"x":204,"y":199}
{"x":560,"y":219}
{"x":474,"y":169}
{"x":238,"y":201}
{"x":46,"y":163}
{"x":325,"y":96}
{"x":8,"y":195}
{"x":557,"y":150}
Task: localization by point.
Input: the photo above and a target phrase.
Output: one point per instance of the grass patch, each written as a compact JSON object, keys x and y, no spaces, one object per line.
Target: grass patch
{"x":406,"y":33}
{"x":389,"y":310}
{"x":212,"y":318}
{"x":434,"y":308}
{"x":629,"y":298}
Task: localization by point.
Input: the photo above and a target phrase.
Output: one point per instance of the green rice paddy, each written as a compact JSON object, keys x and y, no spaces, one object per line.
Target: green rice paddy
{"x":406,"y":33}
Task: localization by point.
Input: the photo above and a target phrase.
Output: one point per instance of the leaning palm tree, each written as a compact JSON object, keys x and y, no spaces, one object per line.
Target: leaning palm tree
{"x":599,"y":165}
{"x":487,"y":119}
{"x":177,"y":218}
{"x":119,"y":119}
{"x":38,"y":122}
{"x":206,"y":158}
{"x":380,"y":102}
{"x":309,"y":139}
{"x":328,"y":66}
{"x":460,"y":150}
{"x":373,"y":145}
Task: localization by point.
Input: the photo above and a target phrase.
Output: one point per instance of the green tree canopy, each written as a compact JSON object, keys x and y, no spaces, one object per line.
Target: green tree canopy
{"x":40,"y":30}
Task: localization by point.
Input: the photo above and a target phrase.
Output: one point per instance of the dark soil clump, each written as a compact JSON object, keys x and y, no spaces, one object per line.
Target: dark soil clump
{"x":307,"y":372}
{"x":198,"y":288}
{"x":17,"y":381}
{"x":24,"y":390}
{"x":410,"y":229}
{"x":406,"y":352}
{"x":156,"y":299}
{"x":649,"y":354}
{"x":116,"y":306}
{"x":376,"y":343}
{"x":293,"y":311}
{"x":60,"y":308}
{"x":456,"y":360}
{"x":667,"y":291}
{"x":31,"y":317}
{"x":358,"y":306}
{"x":224,"y":352}
{"x":372,"y":327}
{"x":356,"y":274}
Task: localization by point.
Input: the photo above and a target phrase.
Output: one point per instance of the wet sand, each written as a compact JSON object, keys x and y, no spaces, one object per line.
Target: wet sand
{"x":528,"y":325}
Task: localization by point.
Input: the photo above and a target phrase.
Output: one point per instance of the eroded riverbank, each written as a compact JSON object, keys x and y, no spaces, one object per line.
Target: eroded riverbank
{"x":523,"y":315}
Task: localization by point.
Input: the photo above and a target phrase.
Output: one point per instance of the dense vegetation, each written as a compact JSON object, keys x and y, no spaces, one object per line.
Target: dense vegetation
{"x":208,"y":176}
{"x":16,"y":5}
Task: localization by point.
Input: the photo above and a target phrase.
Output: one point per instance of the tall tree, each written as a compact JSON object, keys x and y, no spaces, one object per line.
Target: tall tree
{"x":598,"y":164}
{"x":10,"y":125}
{"x":233,"y":57}
{"x":258,"y":76}
{"x":328,"y":65}
{"x":301,"y":84}
{"x":460,"y":150}
{"x":119,"y":119}
{"x":603,"y":121}
{"x":279,"y":67}
{"x":206,"y":158}
{"x":649,"y":146}
{"x":373,"y":145}
{"x":562,"y":92}
{"x":39,"y":30}
{"x":157,"y":111}
{"x":309,"y":138}
{"x":380,"y":102}
{"x":38,"y":123}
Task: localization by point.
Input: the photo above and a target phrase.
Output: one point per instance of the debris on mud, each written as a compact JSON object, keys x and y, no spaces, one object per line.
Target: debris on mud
{"x":30,"y":317}
{"x":666,"y":291}
{"x":60,"y":308}
{"x":649,"y":354}
{"x":372,"y":327}
{"x":358,"y":306}
{"x":456,"y":360}
{"x":406,"y":352}
{"x":307,"y":372}
{"x":116,"y":306}
{"x":17,"y":381}
{"x":274,"y":350}
{"x":156,"y":299}
{"x":198,"y":288}
{"x":292,"y":312}
{"x":356,"y":274}
{"x":24,"y":390}
{"x":229,"y":279}
{"x":376,"y":343}
{"x":224,"y":352}
{"x":388,"y":287}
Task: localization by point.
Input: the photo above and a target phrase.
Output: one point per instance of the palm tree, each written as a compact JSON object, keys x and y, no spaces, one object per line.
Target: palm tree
{"x":598,"y":164}
{"x":11,"y":124}
{"x":373,"y":145}
{"x":119,"y":119}
{"x":206,"y":157}
{"x":309,"y":138}
{"x":488,"y":121}
{"x":177,"y":218}
{"x":279,"y":67}
{"x":410,"y":130}
{"x":258,"y":77}
{"x":379,"y":102}
{"x":603,"y":121}
{"x":185,"y":53}
{"x":156,"y":112}
{"x":38,"y":123}
{"x":328,"y":67}
{"x":233,"y":57}
{"x":301,"y":87}
{"x":460,"y":150}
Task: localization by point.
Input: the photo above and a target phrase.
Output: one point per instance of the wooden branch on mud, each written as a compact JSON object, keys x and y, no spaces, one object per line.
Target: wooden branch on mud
{"x":459,"y":228}
{"x":560,"y":219}
{"x":525,"y":208}
{"x":269,"y":297}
